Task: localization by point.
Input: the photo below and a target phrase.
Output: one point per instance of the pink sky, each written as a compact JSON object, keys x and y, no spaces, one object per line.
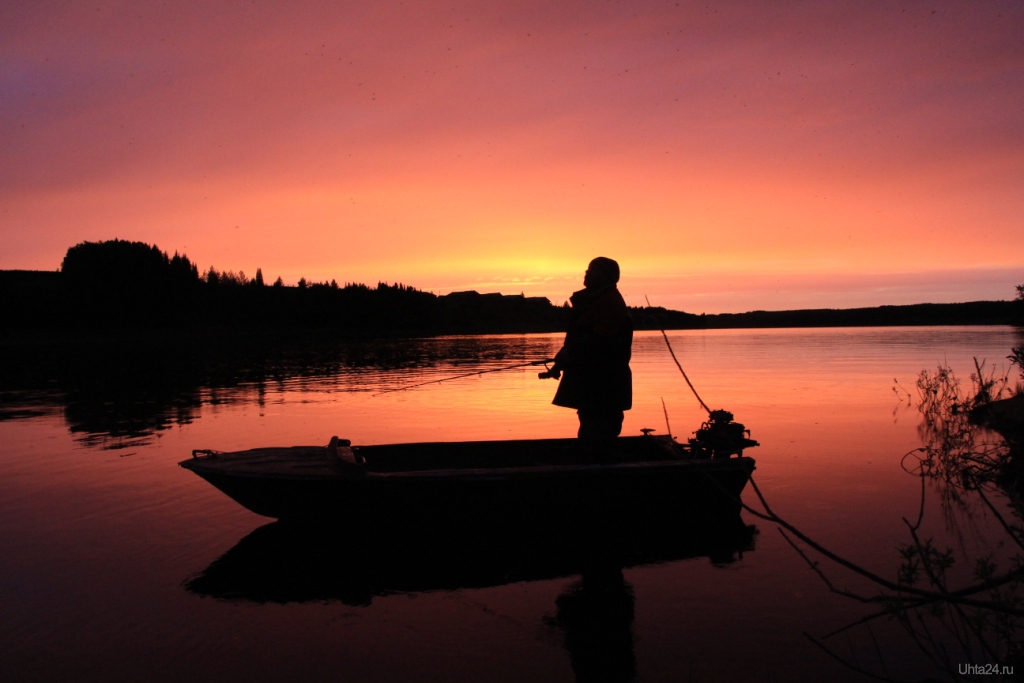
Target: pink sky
{"x":754,"y":156}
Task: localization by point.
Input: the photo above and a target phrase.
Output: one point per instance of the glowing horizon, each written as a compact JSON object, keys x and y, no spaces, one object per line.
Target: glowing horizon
{"x":739,"y":158}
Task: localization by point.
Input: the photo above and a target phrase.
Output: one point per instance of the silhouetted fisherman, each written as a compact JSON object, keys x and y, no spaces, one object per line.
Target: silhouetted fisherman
{"x":594,"y":358}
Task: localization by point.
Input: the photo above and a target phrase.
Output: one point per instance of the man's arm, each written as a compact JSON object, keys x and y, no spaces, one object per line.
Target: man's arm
{"x":556,"y":370}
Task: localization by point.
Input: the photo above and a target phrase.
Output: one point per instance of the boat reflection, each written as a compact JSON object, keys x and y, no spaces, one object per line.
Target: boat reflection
{"x":286,"y":563}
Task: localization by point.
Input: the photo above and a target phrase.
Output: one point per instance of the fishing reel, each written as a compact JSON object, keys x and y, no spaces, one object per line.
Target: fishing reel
{"x":720,"y":437}
{"x":550,"y":373}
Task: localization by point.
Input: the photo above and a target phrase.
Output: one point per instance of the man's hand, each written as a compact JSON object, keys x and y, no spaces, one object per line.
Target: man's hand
{"x":553,"y":373}
{"x":556,"y":370}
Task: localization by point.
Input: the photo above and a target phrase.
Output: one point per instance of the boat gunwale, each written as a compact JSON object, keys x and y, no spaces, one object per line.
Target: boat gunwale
{"x":477,"y":473}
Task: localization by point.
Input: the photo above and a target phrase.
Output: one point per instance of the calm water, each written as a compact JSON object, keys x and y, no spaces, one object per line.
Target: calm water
{"x":101,"y":532}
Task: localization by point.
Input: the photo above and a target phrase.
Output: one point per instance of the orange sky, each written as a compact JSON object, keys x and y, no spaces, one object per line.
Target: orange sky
{"x":754,"y":156}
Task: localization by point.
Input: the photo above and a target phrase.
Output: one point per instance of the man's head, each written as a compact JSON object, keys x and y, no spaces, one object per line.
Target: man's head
{"x":600,"y":273}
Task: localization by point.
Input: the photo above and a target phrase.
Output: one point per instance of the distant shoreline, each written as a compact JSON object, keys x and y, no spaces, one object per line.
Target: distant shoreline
{"x":909,"y":315}
{"x":43,"y":301}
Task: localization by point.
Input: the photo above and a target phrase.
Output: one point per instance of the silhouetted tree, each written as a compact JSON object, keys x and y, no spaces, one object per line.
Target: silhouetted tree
{"x":233,"y":279}
{"x":122,"y":263}
{"x":130,"y":284}
{"x":121,"y":282}
{"x":183,"y":270}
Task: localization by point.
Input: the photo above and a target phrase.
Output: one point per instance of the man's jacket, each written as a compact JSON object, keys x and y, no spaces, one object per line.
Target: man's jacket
{"x":595,"y":356}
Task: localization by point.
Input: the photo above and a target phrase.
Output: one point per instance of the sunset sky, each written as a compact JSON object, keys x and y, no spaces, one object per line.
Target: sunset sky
{"x":733,"y":156}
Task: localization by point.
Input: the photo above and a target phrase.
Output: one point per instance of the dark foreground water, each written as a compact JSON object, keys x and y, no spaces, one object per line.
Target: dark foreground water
{"x":117,"y":565}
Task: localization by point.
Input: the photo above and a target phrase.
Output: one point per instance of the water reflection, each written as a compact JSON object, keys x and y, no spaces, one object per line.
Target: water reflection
{"x":287,"y":563}
{"x":961,"y":605}
{"x":283,"y":563}
{"x":96,"y":548}
{"x":118,"y":392}
{"x":596,"y":615}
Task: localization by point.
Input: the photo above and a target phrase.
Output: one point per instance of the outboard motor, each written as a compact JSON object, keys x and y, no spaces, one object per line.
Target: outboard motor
{"x":720,"y":437}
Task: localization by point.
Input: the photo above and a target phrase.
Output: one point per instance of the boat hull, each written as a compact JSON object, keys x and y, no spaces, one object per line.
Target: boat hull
{"x":475,"y":494}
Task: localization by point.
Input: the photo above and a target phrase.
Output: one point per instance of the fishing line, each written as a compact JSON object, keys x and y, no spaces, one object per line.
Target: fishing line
{"x":468,"y":374}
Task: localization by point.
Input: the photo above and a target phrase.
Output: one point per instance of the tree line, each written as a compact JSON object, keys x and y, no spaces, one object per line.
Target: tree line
{"x":119,"y":284}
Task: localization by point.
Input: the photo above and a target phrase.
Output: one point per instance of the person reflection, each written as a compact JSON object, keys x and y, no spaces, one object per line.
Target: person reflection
{"x":593,"y":364}
{"x":596,"y":616}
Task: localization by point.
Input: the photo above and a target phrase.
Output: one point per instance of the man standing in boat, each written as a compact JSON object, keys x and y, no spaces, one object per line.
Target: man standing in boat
{"x":594,"y":361}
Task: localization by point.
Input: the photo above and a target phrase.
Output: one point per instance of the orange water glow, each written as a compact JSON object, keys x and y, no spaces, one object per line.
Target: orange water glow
{"x":98,"y":542}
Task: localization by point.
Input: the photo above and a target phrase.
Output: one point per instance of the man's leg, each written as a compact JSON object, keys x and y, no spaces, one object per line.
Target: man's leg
{"x":599,"y":428}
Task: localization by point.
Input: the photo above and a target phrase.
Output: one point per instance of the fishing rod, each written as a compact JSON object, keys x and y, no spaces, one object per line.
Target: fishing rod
{"x":468,"y":374}
{"x":720,"y":436}
{"x":678,"y":365}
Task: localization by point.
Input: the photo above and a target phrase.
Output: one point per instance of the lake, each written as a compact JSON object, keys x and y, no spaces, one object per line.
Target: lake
{"x":109,"y":549}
